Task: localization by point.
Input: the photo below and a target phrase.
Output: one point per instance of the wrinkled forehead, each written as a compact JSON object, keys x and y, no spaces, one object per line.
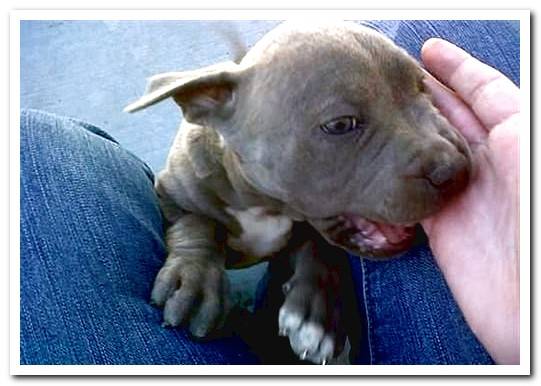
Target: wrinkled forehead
{"x":318,"y":67}
{"x":293,"y":44}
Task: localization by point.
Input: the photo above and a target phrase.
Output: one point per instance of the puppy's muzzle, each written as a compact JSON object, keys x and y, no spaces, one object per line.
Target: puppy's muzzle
{"x":448,"y":175}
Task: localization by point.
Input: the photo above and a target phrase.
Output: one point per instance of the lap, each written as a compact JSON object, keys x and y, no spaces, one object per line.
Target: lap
{"x":91,"y":245}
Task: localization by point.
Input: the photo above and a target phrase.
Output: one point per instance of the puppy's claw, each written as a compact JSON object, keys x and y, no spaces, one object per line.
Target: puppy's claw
{"x":324,"y":362}
{"x":304,"y":354}
{"x":282,"y":332}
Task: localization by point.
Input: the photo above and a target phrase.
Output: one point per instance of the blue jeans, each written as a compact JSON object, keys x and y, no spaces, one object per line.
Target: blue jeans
{"x":92,"y":243}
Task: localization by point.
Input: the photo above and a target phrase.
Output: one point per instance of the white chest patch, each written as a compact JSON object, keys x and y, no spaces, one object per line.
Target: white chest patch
{"x":262,"y":233}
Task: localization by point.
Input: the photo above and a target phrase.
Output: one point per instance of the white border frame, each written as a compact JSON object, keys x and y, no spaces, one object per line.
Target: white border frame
{"x":525,"y":162}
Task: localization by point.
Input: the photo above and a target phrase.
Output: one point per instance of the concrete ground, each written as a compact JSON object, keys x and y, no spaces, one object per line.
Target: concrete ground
{"x":91,"y":70}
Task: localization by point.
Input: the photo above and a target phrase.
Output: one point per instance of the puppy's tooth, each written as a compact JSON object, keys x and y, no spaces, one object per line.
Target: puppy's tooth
{"x":380,"y":240}
{"x":370,"y":229}
{"x":282,"y":332}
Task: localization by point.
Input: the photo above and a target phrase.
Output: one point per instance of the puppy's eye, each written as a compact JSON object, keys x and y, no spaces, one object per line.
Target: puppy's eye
{"x":342,"y":125}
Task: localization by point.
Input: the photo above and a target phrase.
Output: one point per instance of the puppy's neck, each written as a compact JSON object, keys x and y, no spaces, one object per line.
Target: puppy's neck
{"x":249,"y":194}
{"x":247,"y":190}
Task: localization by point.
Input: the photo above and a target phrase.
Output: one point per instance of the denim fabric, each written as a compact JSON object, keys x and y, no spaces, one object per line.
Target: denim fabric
{"x":411,"y":317}
{"x":494,"y":42}
{"x":91,"y":245}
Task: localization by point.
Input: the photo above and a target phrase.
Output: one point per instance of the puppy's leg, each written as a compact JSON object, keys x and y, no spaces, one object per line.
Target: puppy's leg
{"x":314,"y":313}
{"x":192,"y":285}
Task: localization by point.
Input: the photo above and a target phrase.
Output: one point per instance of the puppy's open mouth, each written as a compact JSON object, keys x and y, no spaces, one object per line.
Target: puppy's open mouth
{"x":360,"y":236}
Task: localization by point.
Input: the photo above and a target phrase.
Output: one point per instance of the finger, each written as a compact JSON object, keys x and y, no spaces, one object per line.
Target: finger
{"x":428,"y":225}
{"x":206,"y":317}
{"x":293,"y":311}
{"x":319,"y":309}
{"x":456,"y":111}
{"x":166,"y":283}
{"x":492,"y":97}
{"x":179,"y":306}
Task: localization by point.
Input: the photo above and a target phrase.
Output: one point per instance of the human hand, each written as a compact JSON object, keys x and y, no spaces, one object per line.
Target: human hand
{"x":475,"y":238}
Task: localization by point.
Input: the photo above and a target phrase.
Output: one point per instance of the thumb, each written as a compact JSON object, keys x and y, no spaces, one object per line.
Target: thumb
{"x":492,"y":96}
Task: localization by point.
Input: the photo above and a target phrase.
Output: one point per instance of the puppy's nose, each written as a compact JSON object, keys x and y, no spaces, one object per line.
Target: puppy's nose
{"x":449,"y":175}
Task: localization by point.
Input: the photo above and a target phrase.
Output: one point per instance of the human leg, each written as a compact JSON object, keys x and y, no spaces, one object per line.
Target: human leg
{"x":91,"y":245}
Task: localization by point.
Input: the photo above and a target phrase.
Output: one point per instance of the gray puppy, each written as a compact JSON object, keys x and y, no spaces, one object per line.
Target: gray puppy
{"x":327,"y":125}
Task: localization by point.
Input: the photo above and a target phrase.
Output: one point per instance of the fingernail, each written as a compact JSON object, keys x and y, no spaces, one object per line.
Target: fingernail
{"x":431,"y":42}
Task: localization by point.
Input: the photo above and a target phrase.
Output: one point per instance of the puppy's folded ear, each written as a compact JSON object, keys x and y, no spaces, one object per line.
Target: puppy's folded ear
{"x":203,"y":95}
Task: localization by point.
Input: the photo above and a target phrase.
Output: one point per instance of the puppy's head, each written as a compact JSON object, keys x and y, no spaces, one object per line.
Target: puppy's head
{"x":333,"y":121}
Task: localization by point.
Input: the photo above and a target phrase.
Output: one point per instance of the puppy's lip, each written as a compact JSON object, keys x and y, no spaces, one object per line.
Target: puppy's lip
{"x":361,"y":236}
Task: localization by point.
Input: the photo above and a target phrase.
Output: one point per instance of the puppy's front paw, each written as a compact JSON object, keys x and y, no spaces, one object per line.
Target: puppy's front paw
{"x":192,"y":293}
{"x":310,"y":317}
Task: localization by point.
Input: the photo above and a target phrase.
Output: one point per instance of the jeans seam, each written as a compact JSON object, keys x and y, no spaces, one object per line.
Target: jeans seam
{"x":367,"y":313}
